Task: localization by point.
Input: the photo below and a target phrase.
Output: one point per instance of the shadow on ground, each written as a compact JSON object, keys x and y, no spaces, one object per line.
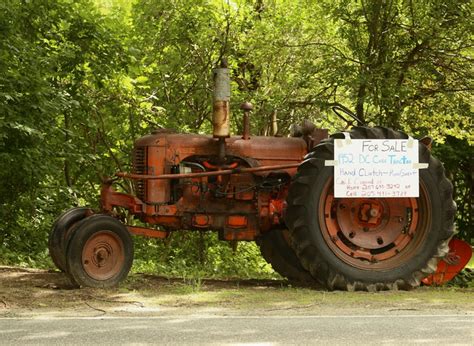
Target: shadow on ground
{"x":31,"y":292}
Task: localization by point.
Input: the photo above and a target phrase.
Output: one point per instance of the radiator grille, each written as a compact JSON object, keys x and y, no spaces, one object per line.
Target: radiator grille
{"x":140,"y":167}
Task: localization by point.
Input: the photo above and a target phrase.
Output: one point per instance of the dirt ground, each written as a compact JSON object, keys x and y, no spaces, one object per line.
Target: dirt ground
{"x":39,"y":293}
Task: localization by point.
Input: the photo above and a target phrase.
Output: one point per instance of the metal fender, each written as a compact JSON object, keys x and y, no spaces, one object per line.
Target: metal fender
{"x":457,"y":258}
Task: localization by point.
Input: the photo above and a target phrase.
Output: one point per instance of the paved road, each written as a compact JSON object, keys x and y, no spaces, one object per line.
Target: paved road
{"x":264,"y":330}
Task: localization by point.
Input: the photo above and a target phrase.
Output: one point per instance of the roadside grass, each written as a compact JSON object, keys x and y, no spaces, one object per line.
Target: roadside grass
{"x":265,"y":296}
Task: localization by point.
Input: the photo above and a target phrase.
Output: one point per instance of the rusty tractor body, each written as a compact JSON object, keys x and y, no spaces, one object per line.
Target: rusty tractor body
{"x":273,"y":190}
{"x":181,"y":183}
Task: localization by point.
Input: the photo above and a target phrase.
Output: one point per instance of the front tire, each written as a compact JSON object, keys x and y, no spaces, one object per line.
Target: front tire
{"x":402,"y":244}
{"x":100,"y":252}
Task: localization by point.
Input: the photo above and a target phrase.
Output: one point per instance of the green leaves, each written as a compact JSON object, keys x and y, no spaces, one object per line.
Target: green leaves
{"x":54,"y":57}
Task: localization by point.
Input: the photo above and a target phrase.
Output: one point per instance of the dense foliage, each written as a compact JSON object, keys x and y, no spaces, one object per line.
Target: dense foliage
{"x":80,"y":80}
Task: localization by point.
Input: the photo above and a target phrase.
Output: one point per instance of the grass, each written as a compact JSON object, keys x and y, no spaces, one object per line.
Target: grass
{"x":271,"y":297}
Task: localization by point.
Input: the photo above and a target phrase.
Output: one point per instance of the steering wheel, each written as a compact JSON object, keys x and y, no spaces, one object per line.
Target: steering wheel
{"x":337,"y":108}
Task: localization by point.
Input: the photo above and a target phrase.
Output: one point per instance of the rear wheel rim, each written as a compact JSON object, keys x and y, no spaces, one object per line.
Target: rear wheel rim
{"x":103,"y":255}
{"x":374,"y":233}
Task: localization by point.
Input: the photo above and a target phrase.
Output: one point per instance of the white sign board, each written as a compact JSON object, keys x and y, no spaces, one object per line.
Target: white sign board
{"x":379,"y":168}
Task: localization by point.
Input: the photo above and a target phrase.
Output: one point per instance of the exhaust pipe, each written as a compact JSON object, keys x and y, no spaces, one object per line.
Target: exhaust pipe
{"x":221,"y":101}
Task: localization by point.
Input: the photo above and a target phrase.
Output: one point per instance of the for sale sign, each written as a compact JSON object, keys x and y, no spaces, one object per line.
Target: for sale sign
{"x":379,"y":168}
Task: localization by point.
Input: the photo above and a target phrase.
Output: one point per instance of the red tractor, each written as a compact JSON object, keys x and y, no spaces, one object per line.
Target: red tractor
{"x":273,"y":190}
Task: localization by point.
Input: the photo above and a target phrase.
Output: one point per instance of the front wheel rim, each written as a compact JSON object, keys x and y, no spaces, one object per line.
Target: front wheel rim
{"x":103,"y":255}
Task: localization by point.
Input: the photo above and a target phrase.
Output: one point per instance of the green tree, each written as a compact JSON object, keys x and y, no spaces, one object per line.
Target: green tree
{"x":55,"y":58}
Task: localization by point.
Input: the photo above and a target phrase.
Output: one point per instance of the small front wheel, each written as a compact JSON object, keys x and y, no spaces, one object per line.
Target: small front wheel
{"x":100,"y":252}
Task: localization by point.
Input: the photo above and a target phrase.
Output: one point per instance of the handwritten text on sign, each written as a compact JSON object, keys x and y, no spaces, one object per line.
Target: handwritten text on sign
{"x":376,"y":168}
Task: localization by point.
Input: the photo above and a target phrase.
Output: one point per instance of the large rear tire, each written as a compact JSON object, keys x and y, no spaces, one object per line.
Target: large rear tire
{"x":276,"y":250}
{"x":100,"y":252}
{"x":57,"y":241}
{"x":402,"y":245}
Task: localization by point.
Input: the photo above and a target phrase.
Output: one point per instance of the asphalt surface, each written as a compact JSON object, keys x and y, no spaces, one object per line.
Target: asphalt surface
{"x":238,"y":330}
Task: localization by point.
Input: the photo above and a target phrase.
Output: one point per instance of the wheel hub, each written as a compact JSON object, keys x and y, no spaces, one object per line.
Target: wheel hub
{"x":370,"y":213}
{"x":103,"y":255}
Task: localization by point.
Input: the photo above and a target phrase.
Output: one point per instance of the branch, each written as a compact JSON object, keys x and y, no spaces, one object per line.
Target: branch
{"x":96,"y":309}
{"x":117,"y":301}
{"x":424,"y":92}
{"x":311,"y":102}
{"x":410,"y":60}
{"x":308,"y":44}
{"x":226,"y":37}
{"x":101,"y":132}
